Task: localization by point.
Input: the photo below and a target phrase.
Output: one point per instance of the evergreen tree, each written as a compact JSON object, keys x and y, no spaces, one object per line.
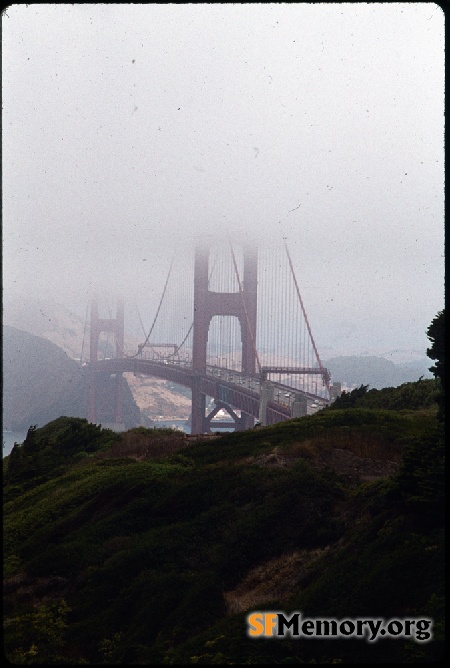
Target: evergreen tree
{"x":436,"y":334}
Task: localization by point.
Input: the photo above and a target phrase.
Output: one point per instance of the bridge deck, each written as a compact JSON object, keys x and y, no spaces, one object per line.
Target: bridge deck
{"x":234,"y":388}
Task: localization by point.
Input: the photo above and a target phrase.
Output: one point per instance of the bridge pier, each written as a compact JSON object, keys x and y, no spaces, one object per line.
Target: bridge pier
{"x":335,"y":391}
{"x":247,"y":421}
{"x":239,"y":422}
{"x":266,"y":395}
{"x":300,"y":405}
{"x":91,"y":405}
{"x":119,"y":399}
{"x":198,"y":407}
{"x":117,"y":327}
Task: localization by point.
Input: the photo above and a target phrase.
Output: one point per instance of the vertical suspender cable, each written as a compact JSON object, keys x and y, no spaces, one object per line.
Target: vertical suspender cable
{"x":273,"y":312}
{"x":286,"y":315}
{"x":159,"y":307}
{"x":245,"y":310}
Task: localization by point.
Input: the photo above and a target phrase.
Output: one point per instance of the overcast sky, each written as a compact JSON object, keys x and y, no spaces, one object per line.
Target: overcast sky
{"x":127,"y":128}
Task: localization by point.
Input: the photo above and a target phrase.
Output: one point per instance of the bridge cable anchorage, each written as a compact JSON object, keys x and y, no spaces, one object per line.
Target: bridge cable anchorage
{"x":245,"y":308}
{"x":157,"y":313}
{"x":324,"y":372}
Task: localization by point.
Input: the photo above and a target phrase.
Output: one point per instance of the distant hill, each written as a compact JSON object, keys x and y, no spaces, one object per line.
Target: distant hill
{"x":49,"y":320}
{"x":377,"y":372}
{"x":58,"y":324}
{"x":41,"y":383}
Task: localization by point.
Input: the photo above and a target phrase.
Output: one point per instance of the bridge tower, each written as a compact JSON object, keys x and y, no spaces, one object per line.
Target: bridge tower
{"x":117,"y":327}
{"x":207,"y":304}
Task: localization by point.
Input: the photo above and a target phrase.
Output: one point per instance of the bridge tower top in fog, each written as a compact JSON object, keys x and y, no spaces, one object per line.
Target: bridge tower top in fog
{"x":98,"y":325}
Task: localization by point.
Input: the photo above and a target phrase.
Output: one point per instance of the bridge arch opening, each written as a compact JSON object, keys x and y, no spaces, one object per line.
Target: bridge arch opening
{"x":224,"y":347}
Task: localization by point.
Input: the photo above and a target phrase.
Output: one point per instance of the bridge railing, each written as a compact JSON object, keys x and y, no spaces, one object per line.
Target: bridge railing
{"x":179,"y":360}
{"x":282,"y":394}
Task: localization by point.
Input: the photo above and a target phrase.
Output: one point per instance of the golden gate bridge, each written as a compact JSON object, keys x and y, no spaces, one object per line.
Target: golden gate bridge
{"x":232,"y":327}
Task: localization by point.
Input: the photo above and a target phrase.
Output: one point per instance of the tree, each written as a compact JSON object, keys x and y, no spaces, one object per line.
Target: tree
{"x":436,"y":334}
{"x":350,"y":399}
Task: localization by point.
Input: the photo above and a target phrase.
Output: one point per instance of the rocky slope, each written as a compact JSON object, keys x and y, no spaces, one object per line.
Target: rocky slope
{"x":159,"y":399}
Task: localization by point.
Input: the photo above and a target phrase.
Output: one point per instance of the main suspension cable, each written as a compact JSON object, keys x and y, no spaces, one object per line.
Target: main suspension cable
{"x":322,"y":369}
{"x":157,"y":312}
{"x":140,"y":319}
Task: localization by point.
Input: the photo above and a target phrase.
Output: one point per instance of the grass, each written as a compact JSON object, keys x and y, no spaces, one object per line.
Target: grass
{"x":159,"y":547}
{"x":273,"y":580}
{"x":145,"y":446}
{"x":362,"y":443}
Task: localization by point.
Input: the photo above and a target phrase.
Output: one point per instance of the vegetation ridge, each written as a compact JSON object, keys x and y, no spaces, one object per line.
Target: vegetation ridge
{"x":148,"y":548}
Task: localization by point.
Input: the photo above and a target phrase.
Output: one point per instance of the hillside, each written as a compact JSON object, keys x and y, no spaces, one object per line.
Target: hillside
{"x":150,"y":547}
{"x":59,"y":325}
{"x":41,"y":383}
{"x":50,"y":321}
{"x":375,"y":371}
{"x":159,"y":398}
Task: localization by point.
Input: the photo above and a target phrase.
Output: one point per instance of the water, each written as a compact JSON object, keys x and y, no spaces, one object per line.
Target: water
{"x":11,"y":437}
{"x":184,"y":426}
{"x":173,"y":424}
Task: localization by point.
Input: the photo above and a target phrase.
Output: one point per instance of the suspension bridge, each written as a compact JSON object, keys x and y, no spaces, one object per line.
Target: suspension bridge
{"x":233,"y":329}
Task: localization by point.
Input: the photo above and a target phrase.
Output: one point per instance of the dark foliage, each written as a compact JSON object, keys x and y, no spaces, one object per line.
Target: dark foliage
{"x":350,"y":399}
{"x":48,"y":452}
{"x":118,"y":553}
{"x":436,"y":334}
{"x":409,"y":396}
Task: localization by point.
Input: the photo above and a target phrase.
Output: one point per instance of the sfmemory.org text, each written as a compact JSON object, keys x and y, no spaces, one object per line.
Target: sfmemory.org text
{"x":280,"y":625}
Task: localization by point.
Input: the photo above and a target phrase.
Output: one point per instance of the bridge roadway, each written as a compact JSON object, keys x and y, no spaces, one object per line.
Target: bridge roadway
{"x":228,"y":387}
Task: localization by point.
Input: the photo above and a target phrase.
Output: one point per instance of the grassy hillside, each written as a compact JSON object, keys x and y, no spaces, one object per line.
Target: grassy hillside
{"x":146,"y":548}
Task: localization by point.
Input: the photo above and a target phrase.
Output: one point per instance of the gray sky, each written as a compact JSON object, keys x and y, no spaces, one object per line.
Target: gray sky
{"x":127,"y":128}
